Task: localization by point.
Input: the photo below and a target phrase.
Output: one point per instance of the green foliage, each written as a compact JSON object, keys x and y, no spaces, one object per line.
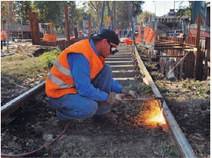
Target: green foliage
{"x":22,"y":9}
{"x":7,"y":13}
{"x":78,"y":18}
{"x":137,"y":7}
{"x":75,"y":16}
{"x":4,"y":10}
{"x":48,"y":58}
{"x":184,"y":12}
{"x":51,"y":11}
{"x":122,"y":15}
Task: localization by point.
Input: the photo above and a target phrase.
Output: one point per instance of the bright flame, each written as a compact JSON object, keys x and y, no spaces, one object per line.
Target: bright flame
{"x":151,"y":115}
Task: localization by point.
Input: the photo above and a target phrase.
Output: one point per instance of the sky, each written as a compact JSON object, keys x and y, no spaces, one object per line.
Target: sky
{"x":162,"y":7}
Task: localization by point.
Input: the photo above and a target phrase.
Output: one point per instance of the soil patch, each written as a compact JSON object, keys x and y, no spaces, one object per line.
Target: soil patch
{"x":88,"y":138}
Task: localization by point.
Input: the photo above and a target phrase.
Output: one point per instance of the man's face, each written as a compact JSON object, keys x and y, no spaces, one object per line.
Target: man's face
{"x":106,"y":48}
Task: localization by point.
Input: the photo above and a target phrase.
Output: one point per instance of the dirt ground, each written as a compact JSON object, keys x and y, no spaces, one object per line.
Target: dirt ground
{"x":88,"y":138}
{"x":189,"y":101}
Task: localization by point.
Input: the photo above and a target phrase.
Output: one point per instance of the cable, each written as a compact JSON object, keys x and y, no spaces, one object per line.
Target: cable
{"x":40,"y":148}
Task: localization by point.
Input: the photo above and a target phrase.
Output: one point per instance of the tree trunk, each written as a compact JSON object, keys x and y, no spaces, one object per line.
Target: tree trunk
{"x":34,"y":28}
{"x":67,"y":33}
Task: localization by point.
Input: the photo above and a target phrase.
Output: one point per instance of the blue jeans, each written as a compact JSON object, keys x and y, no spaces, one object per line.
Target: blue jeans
{"x":75,"y":106}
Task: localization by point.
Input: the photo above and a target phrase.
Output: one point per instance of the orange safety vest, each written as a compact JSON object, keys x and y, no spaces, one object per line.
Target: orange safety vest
{"x":60,"y":81}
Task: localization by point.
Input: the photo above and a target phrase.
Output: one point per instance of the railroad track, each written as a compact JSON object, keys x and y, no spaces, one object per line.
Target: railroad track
{"x":180,"y":138}
{"x":127,"y":67}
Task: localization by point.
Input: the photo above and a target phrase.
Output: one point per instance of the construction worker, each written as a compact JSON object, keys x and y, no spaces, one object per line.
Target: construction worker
{"x":80,"y":84}
{"x":3,"y":39}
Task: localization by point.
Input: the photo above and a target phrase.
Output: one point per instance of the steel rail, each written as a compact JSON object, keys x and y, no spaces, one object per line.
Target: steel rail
{"x":15,"y":103}
{"x":182,"y":142}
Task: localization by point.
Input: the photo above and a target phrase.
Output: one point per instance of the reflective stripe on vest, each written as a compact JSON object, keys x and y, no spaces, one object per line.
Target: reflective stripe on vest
{"x":59,"y":82}
{"x":62,"y":69}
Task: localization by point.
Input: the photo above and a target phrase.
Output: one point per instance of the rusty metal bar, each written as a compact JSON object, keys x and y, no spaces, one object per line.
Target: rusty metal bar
{"x":180,"y":138}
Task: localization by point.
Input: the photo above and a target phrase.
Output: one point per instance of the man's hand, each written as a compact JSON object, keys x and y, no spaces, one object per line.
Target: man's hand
{"x":126,"y":94}
{"x":112,"y":99}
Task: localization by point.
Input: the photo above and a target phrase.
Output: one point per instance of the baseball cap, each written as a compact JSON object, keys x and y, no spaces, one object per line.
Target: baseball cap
{"x":110,"y":35}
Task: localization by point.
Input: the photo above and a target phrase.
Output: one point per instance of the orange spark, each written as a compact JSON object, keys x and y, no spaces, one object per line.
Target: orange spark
{"x":151,"y":115}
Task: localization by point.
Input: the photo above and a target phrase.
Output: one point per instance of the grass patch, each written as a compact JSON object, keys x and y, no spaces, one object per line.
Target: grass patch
{"x":200,"y":88}
{"x":22,"y":66}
